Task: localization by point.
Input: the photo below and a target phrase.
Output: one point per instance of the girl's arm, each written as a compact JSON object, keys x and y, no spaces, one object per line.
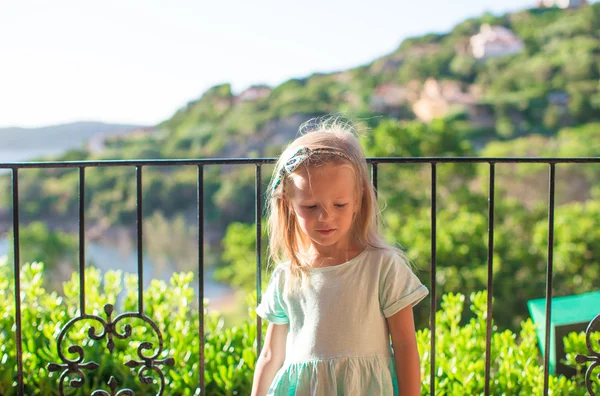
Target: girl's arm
{"x":271,"y":358}
{"x":406,"y":354}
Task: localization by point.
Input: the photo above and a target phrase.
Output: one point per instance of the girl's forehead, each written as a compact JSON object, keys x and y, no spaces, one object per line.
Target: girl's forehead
{"x":337,"y":179}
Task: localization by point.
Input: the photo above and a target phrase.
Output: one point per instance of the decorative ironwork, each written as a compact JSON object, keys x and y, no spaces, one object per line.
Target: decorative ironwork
{"x":594,"y":355}
{"x":112,"y":384}
{"x":110,"y":330}
{"x":149,"y":363}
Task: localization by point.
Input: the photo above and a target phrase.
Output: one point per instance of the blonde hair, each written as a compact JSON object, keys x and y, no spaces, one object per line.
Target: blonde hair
{"x":285,"y":237}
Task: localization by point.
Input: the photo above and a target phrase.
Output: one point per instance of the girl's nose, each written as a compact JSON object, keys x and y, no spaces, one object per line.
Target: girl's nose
{"x":324,"y":214}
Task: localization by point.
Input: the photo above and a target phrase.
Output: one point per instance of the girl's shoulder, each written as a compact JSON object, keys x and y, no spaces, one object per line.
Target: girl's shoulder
{"x":386,"y":260}
{"x":280,"y":271}
{"x":385,"y":255}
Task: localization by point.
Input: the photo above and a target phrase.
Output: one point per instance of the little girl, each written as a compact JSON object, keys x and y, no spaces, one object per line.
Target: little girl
{"x":338,"y":291}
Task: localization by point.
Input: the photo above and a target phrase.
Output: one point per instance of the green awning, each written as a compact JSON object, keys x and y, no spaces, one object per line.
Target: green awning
{"x":569,"y":313}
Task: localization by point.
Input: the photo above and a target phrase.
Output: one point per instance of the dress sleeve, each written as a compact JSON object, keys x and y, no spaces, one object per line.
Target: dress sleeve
{"x":399,"y":287}
{"x":272,"y":306}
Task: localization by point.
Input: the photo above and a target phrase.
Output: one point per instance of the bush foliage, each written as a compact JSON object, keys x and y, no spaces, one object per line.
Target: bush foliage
{"x":230,"y":353}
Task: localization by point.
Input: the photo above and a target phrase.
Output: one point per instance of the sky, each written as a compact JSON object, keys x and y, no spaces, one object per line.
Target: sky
{"x":138,"y":61}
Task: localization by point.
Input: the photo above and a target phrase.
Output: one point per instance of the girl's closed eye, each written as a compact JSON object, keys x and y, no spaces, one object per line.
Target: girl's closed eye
{"x":315,"y":206}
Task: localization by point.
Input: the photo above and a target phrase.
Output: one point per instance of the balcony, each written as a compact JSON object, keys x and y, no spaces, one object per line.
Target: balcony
{"x":64,"y":366}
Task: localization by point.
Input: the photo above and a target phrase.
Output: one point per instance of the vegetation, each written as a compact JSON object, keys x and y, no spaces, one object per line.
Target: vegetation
{"x":230,"y":353}
{"x":57,"y":248}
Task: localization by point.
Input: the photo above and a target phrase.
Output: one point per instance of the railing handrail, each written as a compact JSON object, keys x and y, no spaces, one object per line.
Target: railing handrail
{"x":262,"y":160}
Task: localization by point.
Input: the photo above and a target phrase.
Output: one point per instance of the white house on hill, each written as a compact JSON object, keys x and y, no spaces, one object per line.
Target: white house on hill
{"x":493,"y":41}
{"x":562,"y":3}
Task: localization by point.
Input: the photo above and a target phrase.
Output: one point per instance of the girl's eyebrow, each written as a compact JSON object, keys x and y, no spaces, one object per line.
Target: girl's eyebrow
{"x":337,"y":200}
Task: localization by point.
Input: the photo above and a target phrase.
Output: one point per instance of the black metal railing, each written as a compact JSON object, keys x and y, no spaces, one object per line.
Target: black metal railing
{"x":73,"y":367}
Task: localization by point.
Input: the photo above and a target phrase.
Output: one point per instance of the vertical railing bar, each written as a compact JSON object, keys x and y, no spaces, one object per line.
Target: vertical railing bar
{"x":374,"y":178}
{"x":17,"y":269}
{"x":200,"y":203}
{"x":549,"y":272}
{"x":490,"y":279}
{"x":82,"y":240}
{"x":258,"y":254}
{"x":140,"y":255}
{"x":433,"y":275}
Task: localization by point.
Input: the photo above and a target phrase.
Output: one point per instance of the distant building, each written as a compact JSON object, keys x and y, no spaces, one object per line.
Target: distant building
{"x":561,"y":3}
{"x":388,"y":96}
{"x":343,"y":77}
{"x":494,"y":41}
{"x":388,"y":64}
{"x":439,"y":97}
{"x":255,"y":92}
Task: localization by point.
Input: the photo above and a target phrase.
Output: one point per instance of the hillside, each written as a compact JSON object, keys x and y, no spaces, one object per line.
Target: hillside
{"x":537,"y":90}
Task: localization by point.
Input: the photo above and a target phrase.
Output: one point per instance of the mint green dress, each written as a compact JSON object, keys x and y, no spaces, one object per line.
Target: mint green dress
{"x":338,"y":341}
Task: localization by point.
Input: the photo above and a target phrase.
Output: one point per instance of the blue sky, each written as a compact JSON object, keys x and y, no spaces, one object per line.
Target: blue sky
{"x":139,"y":61}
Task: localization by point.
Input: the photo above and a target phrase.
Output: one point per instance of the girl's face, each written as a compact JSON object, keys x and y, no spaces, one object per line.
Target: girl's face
{"x":324,"y":201}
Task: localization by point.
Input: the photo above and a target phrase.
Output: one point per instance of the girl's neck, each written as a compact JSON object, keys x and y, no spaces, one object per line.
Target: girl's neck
{"x":320,"y":256}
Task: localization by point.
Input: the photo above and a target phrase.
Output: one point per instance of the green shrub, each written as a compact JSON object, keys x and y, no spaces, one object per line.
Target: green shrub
{"x":516,"y":364}
{"x":230,"y":352}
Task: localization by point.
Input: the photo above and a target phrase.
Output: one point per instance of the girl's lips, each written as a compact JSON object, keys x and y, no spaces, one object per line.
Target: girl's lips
{"x":326,"y":232}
